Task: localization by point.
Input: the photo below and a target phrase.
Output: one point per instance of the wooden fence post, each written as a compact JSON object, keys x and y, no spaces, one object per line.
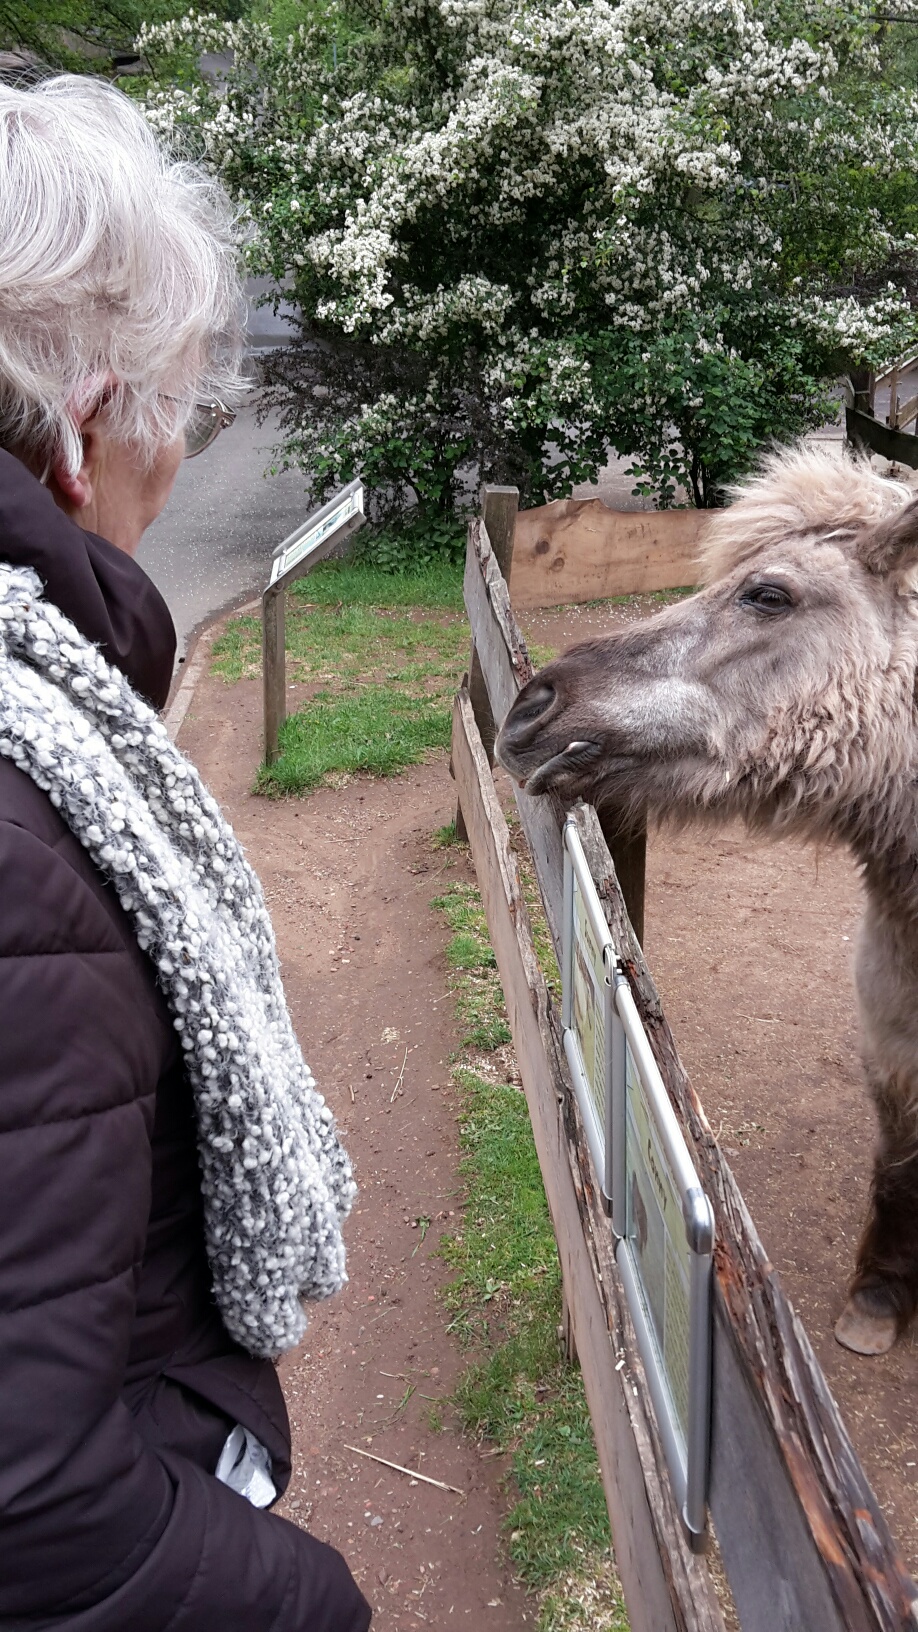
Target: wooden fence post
{"x":499,"y":508}
{"x":628,"y":846}
{"x":274,"y":669}
{"x":628,"y":849}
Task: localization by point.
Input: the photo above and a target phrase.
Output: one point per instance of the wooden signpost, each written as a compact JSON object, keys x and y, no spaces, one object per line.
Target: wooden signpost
{"x":320,"y":534}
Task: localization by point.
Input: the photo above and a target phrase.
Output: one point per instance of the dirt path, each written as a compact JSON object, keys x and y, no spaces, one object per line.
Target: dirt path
{"x":751,"y":944}
{"x":349,"y":875}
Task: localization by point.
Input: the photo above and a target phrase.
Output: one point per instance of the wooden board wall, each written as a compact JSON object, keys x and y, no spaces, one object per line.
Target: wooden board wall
{"x":579,"y":550}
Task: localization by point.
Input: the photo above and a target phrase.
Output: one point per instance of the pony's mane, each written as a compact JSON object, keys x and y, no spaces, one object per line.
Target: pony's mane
{"x":798,"y":491}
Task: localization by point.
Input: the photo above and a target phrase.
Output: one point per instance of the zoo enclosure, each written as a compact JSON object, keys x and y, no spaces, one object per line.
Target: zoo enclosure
{"x":799,"y":1534}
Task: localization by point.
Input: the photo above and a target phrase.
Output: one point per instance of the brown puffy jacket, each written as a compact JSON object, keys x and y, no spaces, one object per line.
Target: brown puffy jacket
{"x":118,"y":1381}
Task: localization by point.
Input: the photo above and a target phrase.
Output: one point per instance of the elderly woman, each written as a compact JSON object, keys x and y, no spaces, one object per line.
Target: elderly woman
{"x":170,"y":1181}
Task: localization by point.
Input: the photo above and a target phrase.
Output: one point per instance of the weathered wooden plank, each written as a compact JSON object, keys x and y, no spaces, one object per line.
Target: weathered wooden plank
{"x":499,"y":511}
{"x":803,"y":1540}
{"x":488,"y":602}
{"x":904,"y":414}
{"x":579,"y":550}
{"x":505,"y":666}
{"x":865,"y":432}
{"x":499,"y":507}
{"x":628,"y":849}
{"x":273,"y":668}
{"x":666,"y":1588}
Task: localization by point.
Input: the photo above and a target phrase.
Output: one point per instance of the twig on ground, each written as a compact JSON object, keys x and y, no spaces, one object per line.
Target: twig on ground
{"x":398,"y":1085}
{"x":411,"y":1472}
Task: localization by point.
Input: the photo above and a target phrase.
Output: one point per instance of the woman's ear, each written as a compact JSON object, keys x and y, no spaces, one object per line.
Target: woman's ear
{"x":84,"y":407}
{"x":891,"y":546}
{"x":74,"y":489}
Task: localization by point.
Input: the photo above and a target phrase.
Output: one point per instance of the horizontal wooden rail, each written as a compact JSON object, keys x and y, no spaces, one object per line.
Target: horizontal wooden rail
{"x":804,"y":1544}
{"x":865,"y":432}
{"x":506,"y":667}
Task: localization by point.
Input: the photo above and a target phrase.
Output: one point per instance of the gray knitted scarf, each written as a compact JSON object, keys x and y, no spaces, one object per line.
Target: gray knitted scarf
{"x":276,"y":1183}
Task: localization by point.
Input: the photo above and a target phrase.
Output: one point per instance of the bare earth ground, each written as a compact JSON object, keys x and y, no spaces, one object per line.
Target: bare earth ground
{"x":751,"y":945}
{"x":349,"y":875}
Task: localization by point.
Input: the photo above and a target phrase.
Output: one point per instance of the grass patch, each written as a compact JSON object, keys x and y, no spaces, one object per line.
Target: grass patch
{"x":338,"y":645}
{"x":476,"y":984}
{"x":360,"y":583}
{"x":505,"y":1303}
{"x":382,"y":654}
{"x":378,"y":729}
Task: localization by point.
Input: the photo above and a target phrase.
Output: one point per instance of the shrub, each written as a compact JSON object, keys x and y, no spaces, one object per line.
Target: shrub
{"x":522,"y":232}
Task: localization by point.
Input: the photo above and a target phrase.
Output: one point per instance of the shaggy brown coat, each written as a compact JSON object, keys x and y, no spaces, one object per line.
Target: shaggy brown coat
{"x":783,"y":692}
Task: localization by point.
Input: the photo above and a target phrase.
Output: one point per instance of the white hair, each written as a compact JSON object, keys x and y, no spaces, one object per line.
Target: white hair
{"x":119,"y":280}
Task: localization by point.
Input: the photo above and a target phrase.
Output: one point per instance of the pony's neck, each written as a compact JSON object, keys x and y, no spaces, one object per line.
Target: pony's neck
{"x":885,"y":843}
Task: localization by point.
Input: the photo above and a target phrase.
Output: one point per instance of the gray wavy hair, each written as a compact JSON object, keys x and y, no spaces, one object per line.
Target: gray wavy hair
{"x":119,"y":275}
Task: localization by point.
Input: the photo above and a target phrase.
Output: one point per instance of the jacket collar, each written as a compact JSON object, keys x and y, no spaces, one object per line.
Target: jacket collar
{"x":99,"y":588}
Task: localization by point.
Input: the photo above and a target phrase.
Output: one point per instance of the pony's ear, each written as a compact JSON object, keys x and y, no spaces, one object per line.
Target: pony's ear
{"x":892,"y":544}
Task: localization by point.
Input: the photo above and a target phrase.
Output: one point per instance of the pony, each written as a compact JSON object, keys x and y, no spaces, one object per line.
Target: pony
{"x":785,"y":693}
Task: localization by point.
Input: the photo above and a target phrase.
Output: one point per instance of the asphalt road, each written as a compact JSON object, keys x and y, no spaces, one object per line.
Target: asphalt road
{"x":213,"y":542}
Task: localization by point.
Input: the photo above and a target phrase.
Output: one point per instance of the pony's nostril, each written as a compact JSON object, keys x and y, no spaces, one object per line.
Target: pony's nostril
{"x":529,"y":707}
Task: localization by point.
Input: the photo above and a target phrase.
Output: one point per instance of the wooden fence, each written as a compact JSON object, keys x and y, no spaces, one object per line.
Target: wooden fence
{"x":801,"y":1542}
{"x":889,"y":438}
{"x":579,"y":550}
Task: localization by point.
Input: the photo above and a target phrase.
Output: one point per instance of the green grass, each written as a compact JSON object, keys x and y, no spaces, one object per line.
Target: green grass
{"x":377,"y":729}
{"x":505,"y":1303}
{"x":338,"y":644}
{"x":476,"y":983}
{"x":381,"y":654}
{"x":359,"y":583}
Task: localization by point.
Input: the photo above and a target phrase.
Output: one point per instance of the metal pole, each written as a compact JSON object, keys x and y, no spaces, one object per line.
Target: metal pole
{"x":274,"y":668}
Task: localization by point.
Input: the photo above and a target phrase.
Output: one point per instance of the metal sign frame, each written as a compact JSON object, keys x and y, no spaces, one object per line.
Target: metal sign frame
{"x":633,"y":1091}
{"x":322,"y":527}
{"x":586,"y":981}
{"x":320,"y":533}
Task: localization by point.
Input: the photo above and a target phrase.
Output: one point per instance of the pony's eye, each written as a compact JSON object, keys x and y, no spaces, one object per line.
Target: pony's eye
{"x":767,"y":598}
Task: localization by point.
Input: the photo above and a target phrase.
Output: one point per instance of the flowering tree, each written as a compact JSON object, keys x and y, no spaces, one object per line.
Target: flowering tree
{"x":522,"y":233}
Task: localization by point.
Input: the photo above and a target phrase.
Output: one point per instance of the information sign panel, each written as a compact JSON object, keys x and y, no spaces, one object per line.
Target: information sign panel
{"x":660,"y":1214}
{"x":666,"y":1230}
{"x":310,"y":537}
{"x":655,"y":1235}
